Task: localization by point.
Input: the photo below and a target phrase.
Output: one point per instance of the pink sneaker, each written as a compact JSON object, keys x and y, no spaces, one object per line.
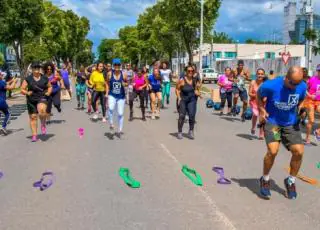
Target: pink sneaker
{"x":34,"y":138}
{"x":43,"y":130}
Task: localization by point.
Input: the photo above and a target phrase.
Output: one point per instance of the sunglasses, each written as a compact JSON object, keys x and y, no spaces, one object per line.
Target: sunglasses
{"x":117,"y":65}
{"x":190,"y":71}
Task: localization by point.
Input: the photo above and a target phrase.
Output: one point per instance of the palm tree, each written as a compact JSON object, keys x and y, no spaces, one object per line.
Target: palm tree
{"x":310,"y":34}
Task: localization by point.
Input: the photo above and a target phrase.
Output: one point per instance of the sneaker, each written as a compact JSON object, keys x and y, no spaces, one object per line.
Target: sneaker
{"x":253,"y":132}
{"x":59,"y":110}
{"x":180,"y":136}
{"x":111,"y":127}
{"x":104,"y":120}
{"x":291,"y":192}
{"x":89,"y":110}
{"x":43,"y":130}
{"x":221,"y":113}
{"x":144,"y":118}
{"x":242,"y":118}
{"x":95,"y":116}
{"x":78,"y":106}
{"x":191,"y":134}
{"x":153,"y":117}
{"x":4,"y":131}
{"x":265,"y":188}
{"x":168,"y":102}
{"x":34,"y":138}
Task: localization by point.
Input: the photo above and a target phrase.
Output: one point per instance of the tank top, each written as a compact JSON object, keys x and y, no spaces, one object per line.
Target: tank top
{"x":314,"y":87}
{"x":54,"y":83}
{"x":138,"y":82}
{"x":155,"y":83}
{"x":116,"y":87}
{"x":187,"y":90}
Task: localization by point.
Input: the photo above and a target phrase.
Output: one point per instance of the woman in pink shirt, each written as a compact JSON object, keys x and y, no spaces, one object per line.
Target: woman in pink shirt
{"x":139,"y":87}
{"x":225,"y":82}
{"x":312,"y":102}
{"x":253,"y":89}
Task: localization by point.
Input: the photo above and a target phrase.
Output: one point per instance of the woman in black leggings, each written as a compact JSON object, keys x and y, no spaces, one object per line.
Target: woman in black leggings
{"x":187,"y":92}
{"x":225,"y":82}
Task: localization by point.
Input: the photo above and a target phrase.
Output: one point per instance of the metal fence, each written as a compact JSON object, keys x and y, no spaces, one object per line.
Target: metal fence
{"x":276,"y":65}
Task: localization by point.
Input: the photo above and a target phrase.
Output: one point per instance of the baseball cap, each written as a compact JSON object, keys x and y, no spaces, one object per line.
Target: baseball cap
{"x":318,"y":67}
{"x":116,"y":61}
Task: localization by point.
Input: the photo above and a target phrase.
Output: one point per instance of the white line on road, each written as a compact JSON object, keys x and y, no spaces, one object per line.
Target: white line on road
{"x":214,"y":208}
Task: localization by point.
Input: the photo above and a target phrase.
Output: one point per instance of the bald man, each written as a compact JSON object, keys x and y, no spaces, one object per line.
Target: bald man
{"x":278,"y":102}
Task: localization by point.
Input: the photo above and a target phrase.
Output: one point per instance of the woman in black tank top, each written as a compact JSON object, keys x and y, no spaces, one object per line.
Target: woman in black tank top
{"x":187,"y":92}
{"x":37,"y":88}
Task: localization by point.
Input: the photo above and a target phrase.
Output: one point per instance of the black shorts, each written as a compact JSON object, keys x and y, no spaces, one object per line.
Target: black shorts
{"x":32,"y":105}
{"x":155,"y":90}
{"x":290,"y":135}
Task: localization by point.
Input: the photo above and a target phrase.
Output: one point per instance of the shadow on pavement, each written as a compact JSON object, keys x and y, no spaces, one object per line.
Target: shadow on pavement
{"x":44,"y":138}
{"x":253,"y":185}
{"x":11,"y":131}
{"x":176,"y":135}
{"x":110,"y":136}
{"x":247,"y":136}
{"x":56,"y":122}
{"x":231,"y":119}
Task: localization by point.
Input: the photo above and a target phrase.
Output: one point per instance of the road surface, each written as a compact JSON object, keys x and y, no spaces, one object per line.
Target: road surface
{"x":89,"y":194}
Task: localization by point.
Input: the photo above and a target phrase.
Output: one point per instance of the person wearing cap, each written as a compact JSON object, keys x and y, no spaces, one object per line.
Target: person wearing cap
{"x":37,"y":88}
{"x":116,"y":83}
{"x":4,"y":108}
{"x":242,"y":74}
{"x":312,"y":102}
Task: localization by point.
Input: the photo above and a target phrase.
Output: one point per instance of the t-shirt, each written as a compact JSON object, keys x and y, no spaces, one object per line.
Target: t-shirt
{"x":227,"y":85}
{"x":282,"y":102}
{"x":129,"y":74}
{"x":165,"y":74}
{"x":314,"y":87}
{"x":65,"y":77}
{"x":80,"y":79}
{"x":155,"y":83}
{"x":54,"y":83}
{"x":3,"y":90}
{"x":38,"y":88}
{"x":98,"y":81}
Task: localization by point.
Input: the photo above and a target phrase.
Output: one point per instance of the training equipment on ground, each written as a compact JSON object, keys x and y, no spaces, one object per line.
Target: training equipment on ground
{"x":209,"y":103}
{"x":124,"y":173}
{"x":304,"y":178}
{"x":248,"y":114}
{"x":81,"y":132}
{"x":192,"y":175}
{"x":45,"y":182}
{"x":217,"y":106}
{"x":220,"y":172}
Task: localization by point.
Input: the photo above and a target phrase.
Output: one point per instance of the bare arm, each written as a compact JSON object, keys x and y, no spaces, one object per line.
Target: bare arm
{"x":251,"y":93}
{"x":24,"y":89}
{"x":107,"y":83}
{"x":48,"y":93}
{"x":12,"y":84}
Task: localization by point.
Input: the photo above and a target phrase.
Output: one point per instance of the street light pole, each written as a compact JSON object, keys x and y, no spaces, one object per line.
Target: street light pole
{"x":201,"y":39}
{"x":310,"y":43}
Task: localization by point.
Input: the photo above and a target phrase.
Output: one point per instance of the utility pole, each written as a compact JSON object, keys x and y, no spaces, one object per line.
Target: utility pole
{"x":310,"y":42}
{"x":211,"y":53}
{"x":201,"y":39}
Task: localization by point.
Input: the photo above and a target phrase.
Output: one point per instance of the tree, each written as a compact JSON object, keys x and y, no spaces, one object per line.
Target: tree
{"x":1,"y":59}
{"x":220,"y":38}
{"x":20,"y":21}
{"x":106,"y":50}
{"x":85,"y":56}
{"x":184,"y":17}
{"x":310,"y":34}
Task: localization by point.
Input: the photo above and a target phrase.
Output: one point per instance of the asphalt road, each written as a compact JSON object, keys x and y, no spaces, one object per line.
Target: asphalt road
{"x":89,"y":194}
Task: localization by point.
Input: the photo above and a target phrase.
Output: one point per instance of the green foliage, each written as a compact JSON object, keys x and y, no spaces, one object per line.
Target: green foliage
{"x":310,"y":34}
{"x":252,"y":41}
{"x":161,"y":30}
{"x":1,"y":59}
{"x":219,"y":38}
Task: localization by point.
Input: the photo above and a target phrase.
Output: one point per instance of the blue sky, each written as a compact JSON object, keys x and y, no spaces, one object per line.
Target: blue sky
{"x":241,"y":19}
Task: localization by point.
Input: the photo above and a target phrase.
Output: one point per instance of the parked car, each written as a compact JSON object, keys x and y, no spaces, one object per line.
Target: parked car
{"x":209,"y":75}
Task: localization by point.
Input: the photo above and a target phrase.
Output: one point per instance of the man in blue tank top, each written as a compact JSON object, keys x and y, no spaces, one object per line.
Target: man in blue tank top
{"x":116,"y":83}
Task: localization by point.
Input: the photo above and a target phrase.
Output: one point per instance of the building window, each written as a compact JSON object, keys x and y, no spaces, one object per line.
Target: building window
{"x":217,"y":54}
{"x":269,"y":55}
{"x":231,"y":55}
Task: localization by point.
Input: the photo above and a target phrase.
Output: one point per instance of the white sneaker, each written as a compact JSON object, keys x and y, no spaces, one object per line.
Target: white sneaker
{"x":95,"y":117}
{"x":104,"y":120}
{"x":153,"y":117}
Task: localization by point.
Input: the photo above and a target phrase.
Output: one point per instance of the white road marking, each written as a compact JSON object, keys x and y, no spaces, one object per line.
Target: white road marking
{"x":220,"y":216}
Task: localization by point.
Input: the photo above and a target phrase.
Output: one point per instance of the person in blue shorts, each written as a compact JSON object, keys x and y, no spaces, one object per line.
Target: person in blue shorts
{"x":278,"y":103}
{"x":155,"y":82}
{"x":4,"y":108}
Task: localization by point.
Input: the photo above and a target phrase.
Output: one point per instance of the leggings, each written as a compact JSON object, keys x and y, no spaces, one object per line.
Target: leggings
{"x":113,"y":102}
{"x":55,"y":100}
{"x":81,"y":93}
{"x":4,"y":108}
{"x":187,"y":106}
{"x":141,"y":95}
{"x":226,"y":97}
{"x":146,"y":97}
{"x":165,"y":92}
{"x":99,"y":95}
